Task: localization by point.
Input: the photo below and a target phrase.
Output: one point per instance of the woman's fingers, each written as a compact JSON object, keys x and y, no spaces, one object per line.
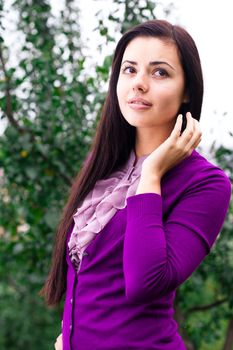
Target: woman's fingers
{"x":175,"y":134}
{"x":196,"y":143}
{"x":187,"y":133}
{"x":196,"y":137}
{"x":189,"y":130}
{"x":190,"y":137}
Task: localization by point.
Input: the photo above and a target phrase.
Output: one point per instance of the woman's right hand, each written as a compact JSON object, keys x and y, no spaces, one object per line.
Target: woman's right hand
{"x":175,"y":148}
{"x":58,"y":344}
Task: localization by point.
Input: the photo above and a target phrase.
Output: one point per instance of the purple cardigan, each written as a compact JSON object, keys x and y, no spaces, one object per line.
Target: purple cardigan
{"x":122,"y":297}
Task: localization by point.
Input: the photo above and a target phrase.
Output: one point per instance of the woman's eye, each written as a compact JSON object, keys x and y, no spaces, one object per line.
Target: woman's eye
{"x":129,"y":69}
{"x":161,"y":72}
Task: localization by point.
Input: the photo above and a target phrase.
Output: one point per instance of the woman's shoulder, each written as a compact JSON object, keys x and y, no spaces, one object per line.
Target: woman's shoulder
{"x":205,"y":167}
{"x":198,"y":170}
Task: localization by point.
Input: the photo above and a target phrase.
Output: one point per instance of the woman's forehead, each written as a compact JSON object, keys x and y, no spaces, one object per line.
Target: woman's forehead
{"x":148,"y":49}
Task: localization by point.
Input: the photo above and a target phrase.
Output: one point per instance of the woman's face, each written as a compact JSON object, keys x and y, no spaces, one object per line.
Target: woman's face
{"x":151,"y":83}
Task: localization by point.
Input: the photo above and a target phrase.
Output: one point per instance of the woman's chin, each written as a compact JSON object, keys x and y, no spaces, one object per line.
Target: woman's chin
{"x":140,"y":124}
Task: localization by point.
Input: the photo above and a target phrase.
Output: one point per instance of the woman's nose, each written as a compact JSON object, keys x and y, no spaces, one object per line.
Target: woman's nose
{"x":140,"y":83}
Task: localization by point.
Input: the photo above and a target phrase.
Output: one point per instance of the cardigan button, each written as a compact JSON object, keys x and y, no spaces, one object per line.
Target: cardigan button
{"x":70,"y":327}
{"x":71,"y":300}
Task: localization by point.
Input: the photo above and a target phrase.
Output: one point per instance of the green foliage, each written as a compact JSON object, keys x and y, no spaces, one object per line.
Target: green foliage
{"x":46,"y":100}
{"x":52,"y":104}
{"x":125,"y":14}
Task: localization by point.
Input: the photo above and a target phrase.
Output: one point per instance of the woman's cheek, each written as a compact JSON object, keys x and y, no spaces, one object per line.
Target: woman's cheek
{"x":120,"y":93}
{"x":169,"y":106}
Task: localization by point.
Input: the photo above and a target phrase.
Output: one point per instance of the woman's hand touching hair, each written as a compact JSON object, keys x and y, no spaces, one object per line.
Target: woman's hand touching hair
{"x":175,"y":148}
{"x":172,"y":151}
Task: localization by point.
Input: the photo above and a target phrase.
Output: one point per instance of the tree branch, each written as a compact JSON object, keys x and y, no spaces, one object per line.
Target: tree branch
{"x":206,"y":307}
{"x":9,"y":111}
{"x":228,"y":345}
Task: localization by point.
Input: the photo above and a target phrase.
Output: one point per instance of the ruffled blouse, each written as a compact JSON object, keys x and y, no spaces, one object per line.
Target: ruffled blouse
{"x":100,"y":205}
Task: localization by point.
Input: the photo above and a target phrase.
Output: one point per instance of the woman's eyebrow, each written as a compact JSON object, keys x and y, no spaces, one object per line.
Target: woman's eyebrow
{"x":153,"y":63}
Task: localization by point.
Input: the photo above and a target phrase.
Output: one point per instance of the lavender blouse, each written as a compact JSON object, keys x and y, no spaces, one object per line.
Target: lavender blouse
{"x":101,"y":204}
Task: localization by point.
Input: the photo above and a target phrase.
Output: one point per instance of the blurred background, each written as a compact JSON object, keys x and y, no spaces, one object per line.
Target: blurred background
{"x":54,"y":68}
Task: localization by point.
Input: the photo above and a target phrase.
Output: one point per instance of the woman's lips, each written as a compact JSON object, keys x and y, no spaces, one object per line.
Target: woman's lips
{"x":138,"y":106}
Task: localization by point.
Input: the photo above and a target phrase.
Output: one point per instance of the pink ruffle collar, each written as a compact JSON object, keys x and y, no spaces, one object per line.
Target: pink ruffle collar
{"x":100,"y":205}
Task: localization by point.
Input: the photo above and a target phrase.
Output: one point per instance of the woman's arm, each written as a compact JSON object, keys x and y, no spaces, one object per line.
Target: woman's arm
{"x":159,"y":256}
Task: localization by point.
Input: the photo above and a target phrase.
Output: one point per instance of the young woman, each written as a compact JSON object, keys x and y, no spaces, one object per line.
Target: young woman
{"x":144,"y":210}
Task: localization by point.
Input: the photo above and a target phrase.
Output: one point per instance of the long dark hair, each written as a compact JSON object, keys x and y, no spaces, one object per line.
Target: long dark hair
{"x":115,"y":138}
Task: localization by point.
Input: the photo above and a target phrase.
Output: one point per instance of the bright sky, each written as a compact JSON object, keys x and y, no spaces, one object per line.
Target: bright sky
{"x":210,"y":24}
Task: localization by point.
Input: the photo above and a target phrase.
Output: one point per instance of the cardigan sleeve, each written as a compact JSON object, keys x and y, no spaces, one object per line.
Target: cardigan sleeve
{"x":158,"y":256}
